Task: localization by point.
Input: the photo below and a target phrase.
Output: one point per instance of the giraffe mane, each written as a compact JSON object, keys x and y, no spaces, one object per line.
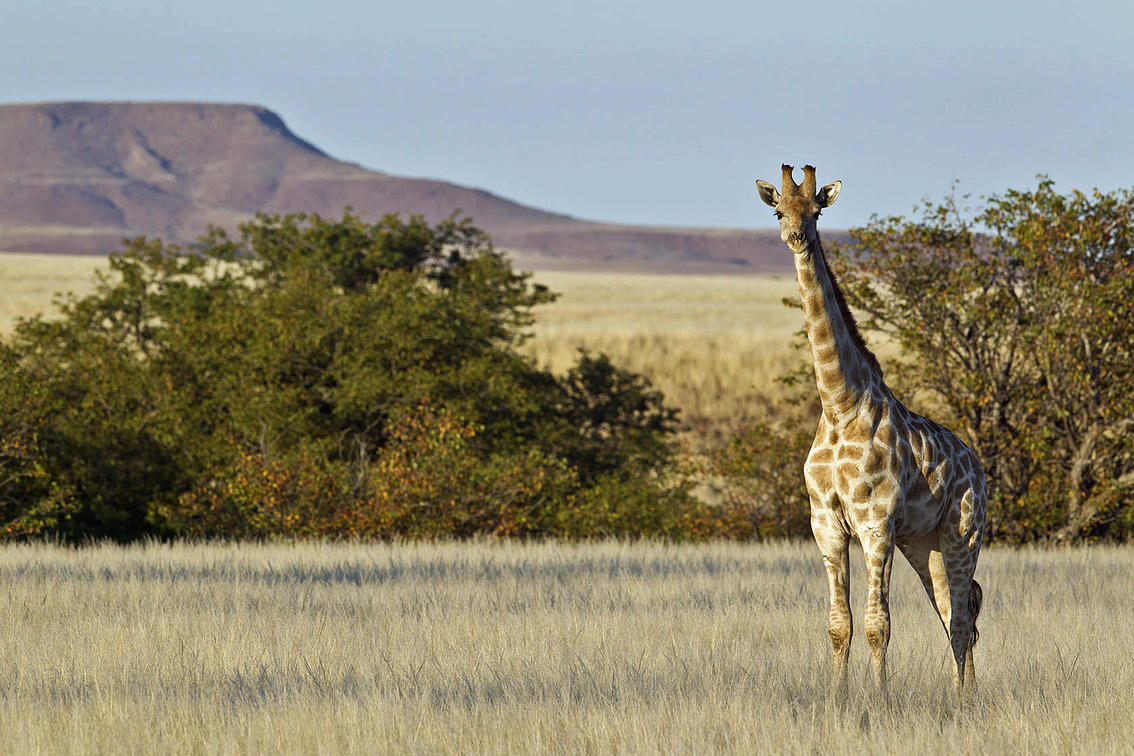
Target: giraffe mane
{"x":844,"y":310}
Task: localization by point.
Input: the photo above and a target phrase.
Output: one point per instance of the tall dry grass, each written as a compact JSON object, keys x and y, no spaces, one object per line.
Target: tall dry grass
{"x":539,"y":648}
{"x":29,"y":282}
{"x":712,"y":344}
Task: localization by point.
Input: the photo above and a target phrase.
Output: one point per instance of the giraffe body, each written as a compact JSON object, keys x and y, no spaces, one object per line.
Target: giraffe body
{"x":877,"y":471}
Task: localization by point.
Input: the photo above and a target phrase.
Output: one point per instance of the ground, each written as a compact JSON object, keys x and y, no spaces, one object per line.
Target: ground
{"x":522,"y":648}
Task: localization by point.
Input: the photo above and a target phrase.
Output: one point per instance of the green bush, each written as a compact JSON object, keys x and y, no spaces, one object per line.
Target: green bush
{"x":424,"y":482}
{"x":761,"y":473}
{"x":31,"y":501}
{"x":318,"y":377}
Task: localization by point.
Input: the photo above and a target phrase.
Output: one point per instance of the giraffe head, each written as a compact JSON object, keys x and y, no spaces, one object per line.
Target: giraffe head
{"x":798,"y":207}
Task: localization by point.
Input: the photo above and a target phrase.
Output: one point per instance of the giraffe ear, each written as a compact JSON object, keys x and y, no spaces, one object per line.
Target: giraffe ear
{"x":827,"y":195}
{"x":768,"y":193}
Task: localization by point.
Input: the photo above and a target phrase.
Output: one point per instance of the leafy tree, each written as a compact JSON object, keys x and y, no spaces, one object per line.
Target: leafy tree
{"x":338,"y":377}
{"x":616,"y":420}
{"x":1015,"y":323}
{"x":31,"y":502}
{"x":760,"y":471}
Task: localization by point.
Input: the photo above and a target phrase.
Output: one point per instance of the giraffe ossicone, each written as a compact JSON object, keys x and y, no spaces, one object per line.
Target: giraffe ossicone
{"x":877,"y":471}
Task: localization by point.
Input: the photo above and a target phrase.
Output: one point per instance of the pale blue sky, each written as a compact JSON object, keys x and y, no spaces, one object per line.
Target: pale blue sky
{"x":657,"y":112}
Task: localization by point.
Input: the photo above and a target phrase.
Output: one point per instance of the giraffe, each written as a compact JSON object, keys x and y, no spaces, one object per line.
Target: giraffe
{"x":877,"y":471}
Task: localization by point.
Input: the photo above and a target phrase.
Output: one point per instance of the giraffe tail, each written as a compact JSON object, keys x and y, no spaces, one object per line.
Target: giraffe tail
{"x":976,"y":598}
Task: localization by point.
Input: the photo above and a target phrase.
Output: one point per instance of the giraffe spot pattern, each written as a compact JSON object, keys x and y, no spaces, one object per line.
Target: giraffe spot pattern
{"x":876,"y":470}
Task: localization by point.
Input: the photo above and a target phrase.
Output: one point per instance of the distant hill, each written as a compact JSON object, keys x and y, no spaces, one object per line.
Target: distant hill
{"x":77,"y":177}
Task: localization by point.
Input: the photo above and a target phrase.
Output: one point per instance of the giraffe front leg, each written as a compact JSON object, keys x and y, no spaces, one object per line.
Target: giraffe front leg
{"x":833,"y":545}
{"x":878,"y":549}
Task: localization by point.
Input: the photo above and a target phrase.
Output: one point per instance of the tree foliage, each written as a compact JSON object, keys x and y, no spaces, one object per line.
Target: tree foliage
{"x":31,"y":501}
{"x":323,"y":377}
{"x":760,"y":470}
{"x":1016,"y":329}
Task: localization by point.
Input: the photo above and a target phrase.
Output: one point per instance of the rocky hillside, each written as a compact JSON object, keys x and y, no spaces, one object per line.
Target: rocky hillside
{"x":77,"y":177}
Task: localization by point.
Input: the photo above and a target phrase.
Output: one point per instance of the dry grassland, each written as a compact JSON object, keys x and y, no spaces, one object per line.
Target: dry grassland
{"x":541,"y":648}
{"x":29,"y":283}
{"x":712,"y":344}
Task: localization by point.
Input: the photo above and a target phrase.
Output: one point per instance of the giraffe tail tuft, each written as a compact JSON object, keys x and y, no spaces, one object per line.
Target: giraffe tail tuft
{"x":976,"y":598}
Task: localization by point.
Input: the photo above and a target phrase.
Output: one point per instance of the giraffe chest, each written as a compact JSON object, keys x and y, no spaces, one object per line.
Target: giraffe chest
{"x":862,"y":482}
{"x":851,"y":472}
{"x":877,"y":474}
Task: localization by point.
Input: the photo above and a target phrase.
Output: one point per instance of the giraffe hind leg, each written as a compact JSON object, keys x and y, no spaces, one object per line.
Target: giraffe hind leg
{"x":965,"y":601}
{"x":976,"y":598}
{"x":961,"y":536}
{"x":924,"y":555}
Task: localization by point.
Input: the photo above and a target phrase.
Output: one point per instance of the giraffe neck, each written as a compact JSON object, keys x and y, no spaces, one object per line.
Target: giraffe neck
{"x":844,"y":367}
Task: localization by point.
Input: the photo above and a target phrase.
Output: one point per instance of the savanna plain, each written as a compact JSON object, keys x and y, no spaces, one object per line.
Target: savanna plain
{"x":481,"y":647}
{"x":499,"y":647}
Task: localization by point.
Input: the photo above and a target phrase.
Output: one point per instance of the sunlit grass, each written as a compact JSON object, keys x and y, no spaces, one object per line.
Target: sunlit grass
{"x":712,"y":344}
{"x":28,"y":283}
{"x":539,"y":648}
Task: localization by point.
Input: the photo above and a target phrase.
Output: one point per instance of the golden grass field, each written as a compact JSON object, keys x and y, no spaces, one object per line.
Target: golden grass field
{"x":501,"y":648}
{"x":712,"y":344}
{"x":31,"y":281}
